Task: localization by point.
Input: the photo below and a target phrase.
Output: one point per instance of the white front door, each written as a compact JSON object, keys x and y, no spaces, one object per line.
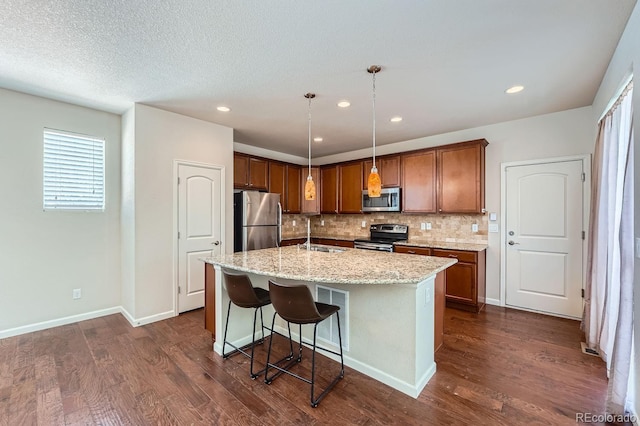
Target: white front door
{"x":199,"y":229}
{"x":544,"y":241}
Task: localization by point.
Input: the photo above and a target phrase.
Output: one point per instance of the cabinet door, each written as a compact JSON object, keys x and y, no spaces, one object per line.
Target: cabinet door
{"x":461,"y":283}
{"x":240,"y":171}
{"x":388,"y":168}
{"x":293,"y":189}
{"x":310,"y":206}
{"x":419,"y":182}
{"x":277,"y":182}
{"x":258,"y":173}
{"x":350,"y":197}
{"x":329,"y":193}
{"x":461,"y":178}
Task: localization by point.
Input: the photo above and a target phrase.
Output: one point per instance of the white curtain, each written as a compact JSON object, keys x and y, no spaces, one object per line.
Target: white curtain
{"x":608,"y":316}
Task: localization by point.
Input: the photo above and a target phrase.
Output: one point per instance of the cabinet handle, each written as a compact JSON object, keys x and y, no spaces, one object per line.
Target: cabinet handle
{"x":440,"y":210}
{"x":411,"y":252}
{"x":453,"y":255}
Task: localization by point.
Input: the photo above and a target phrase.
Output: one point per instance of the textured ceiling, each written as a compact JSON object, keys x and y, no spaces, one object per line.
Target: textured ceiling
{"x":445,"y":64}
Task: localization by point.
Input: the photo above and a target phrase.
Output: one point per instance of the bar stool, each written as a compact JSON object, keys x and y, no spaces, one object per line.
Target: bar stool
{"x":244,"y":295}
{"x":295,"y":305}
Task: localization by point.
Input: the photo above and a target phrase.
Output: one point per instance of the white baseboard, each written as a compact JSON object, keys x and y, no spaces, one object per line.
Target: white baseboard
{"x":495,"y":302}
{"x":137,"y":322}
{"x":404,"y":387}
{"x":58,"y":322}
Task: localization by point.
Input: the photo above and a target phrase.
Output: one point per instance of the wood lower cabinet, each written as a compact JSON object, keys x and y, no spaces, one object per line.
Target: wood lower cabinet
{"x":388,"y":168}
{"x":350,"y":187}
{"x":419,"y":182}
{"x":332,"y":242}
{"x":461,"y":177}
{"x":329,"y":193}
{"x":424,"y":251}
{"x":250,"y":172}
{"x":210,"y":299}
{"x":292,"y":242}
{"x":466,"y":280}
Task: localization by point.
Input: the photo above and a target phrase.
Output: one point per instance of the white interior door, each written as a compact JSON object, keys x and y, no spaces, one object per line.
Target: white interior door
{"x":199,"y":230}
{"x":544,"y":224}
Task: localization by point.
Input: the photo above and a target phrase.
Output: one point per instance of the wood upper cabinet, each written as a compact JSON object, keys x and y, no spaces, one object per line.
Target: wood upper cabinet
{"x":329,"y":193}
{"x":284,"y":179}
{"x":388,"y":168}
{"x":418,"y":177}
{"x":350,"y":187}
{"x":461,"y":177}
{"x":250,"y":172}
{"x":310,"y":206}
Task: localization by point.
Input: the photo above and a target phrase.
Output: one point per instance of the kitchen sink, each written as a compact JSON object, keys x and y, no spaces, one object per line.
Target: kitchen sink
{"x":324,"y":249}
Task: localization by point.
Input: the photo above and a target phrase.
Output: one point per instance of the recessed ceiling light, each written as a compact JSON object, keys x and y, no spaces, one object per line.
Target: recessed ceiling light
{"x":396,"y":119}
{"x":344,"y":104}
{"x":514,"y":89}
{"x":317,"y":139}
{"x":223,"y":109}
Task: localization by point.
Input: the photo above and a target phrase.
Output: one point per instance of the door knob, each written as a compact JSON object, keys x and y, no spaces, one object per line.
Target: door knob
{"x":512,"y":243}
{"x":215,"y":243}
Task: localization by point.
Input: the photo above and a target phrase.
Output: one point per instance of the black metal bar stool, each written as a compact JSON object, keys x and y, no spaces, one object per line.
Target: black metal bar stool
{"x":243,"y":294}
{"x":295,"y":304}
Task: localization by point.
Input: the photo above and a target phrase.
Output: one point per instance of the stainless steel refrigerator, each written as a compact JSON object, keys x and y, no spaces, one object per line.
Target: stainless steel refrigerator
{"x":257,"y":220}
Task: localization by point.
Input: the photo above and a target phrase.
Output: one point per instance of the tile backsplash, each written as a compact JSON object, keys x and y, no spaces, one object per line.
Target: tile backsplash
{"x":450,"y":228}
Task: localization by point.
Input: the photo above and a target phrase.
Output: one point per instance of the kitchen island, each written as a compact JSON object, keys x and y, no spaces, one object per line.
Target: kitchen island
{"x":387,"y":304}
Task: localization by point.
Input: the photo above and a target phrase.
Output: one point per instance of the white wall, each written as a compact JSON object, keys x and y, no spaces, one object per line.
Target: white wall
{"x":622,"y":63}
{"x":160,"y":137}
{"x":559,"y":134}
{"x":44,"y":255}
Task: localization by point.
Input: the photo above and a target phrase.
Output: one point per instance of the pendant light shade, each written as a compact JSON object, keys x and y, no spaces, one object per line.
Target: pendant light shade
{"x":374,"y":184}
{"x":310,"y":186}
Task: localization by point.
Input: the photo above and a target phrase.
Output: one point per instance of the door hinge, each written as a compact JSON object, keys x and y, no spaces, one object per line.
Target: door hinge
{"x":179,"y":180}
{"x":179,"y":290}
{"x":584,"y":177}
{"x":583,"y":293}
{"x":583,"y":235}
{"x":178,"y":234}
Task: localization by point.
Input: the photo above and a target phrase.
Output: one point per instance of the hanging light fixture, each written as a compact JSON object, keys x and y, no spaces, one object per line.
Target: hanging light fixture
{"x":310,"y":186}
{"x":374,"y":185}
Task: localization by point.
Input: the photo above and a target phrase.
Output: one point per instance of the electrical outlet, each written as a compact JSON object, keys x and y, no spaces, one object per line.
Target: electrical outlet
{"x":474,"y":227}
{"x":423,"y":226}
{"x":77,"y":293}
{"x":294,"y":223}
{"x":428,"y":226}
{"x":322,"y":222}
{"x":364,"y":223}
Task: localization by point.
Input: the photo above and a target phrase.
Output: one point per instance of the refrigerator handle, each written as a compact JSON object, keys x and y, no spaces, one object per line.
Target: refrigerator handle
{"x":279,"y":225}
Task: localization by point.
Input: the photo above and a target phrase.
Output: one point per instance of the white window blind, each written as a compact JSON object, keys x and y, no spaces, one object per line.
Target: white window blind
{"x":73,"y":171}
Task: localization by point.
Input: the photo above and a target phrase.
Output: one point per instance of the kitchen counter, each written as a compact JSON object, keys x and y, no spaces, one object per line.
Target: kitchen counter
{"x":445,"y":245}
{"x":344,"y":265}
{"x":388,"y":311}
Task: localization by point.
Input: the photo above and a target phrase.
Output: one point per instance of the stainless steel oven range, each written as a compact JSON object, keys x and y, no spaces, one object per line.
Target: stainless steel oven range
{"x":382,"y":237}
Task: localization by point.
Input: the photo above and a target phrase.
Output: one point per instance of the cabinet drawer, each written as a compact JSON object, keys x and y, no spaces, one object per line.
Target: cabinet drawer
{"x":462,"y":256}
{"x":424,"y":251}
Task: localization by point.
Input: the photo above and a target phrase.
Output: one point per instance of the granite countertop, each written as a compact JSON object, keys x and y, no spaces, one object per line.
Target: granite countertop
{"x":351,"y":266}
{"x":421,"y":242}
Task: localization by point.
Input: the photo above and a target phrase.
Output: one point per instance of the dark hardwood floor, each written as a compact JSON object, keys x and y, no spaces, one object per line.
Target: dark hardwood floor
{"x":498,"y":367}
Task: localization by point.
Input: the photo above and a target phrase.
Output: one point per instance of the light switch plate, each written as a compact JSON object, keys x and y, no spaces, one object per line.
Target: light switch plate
{"x":294,"y":223}
{"x":494,"y":227}
{"x":428,"y":226}
{"x":474,"y":227}
{"x":364,"y":223}
{"x":322,"y":222}
{"x":493,"y":217}
{"x":423,"y":226}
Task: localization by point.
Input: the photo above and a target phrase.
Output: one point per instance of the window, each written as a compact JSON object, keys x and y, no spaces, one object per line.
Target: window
{"x":73,"y":175}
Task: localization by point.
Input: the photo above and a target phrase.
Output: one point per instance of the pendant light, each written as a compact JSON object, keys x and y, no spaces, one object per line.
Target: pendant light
{"x":310,"y":186}
{"x":374,"y":185}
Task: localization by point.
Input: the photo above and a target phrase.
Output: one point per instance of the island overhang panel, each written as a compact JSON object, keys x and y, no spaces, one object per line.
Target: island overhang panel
{"x":390,"y":305}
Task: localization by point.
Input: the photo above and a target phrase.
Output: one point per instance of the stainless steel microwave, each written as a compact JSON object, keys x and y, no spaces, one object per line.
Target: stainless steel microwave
{"x":388,"y":201}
